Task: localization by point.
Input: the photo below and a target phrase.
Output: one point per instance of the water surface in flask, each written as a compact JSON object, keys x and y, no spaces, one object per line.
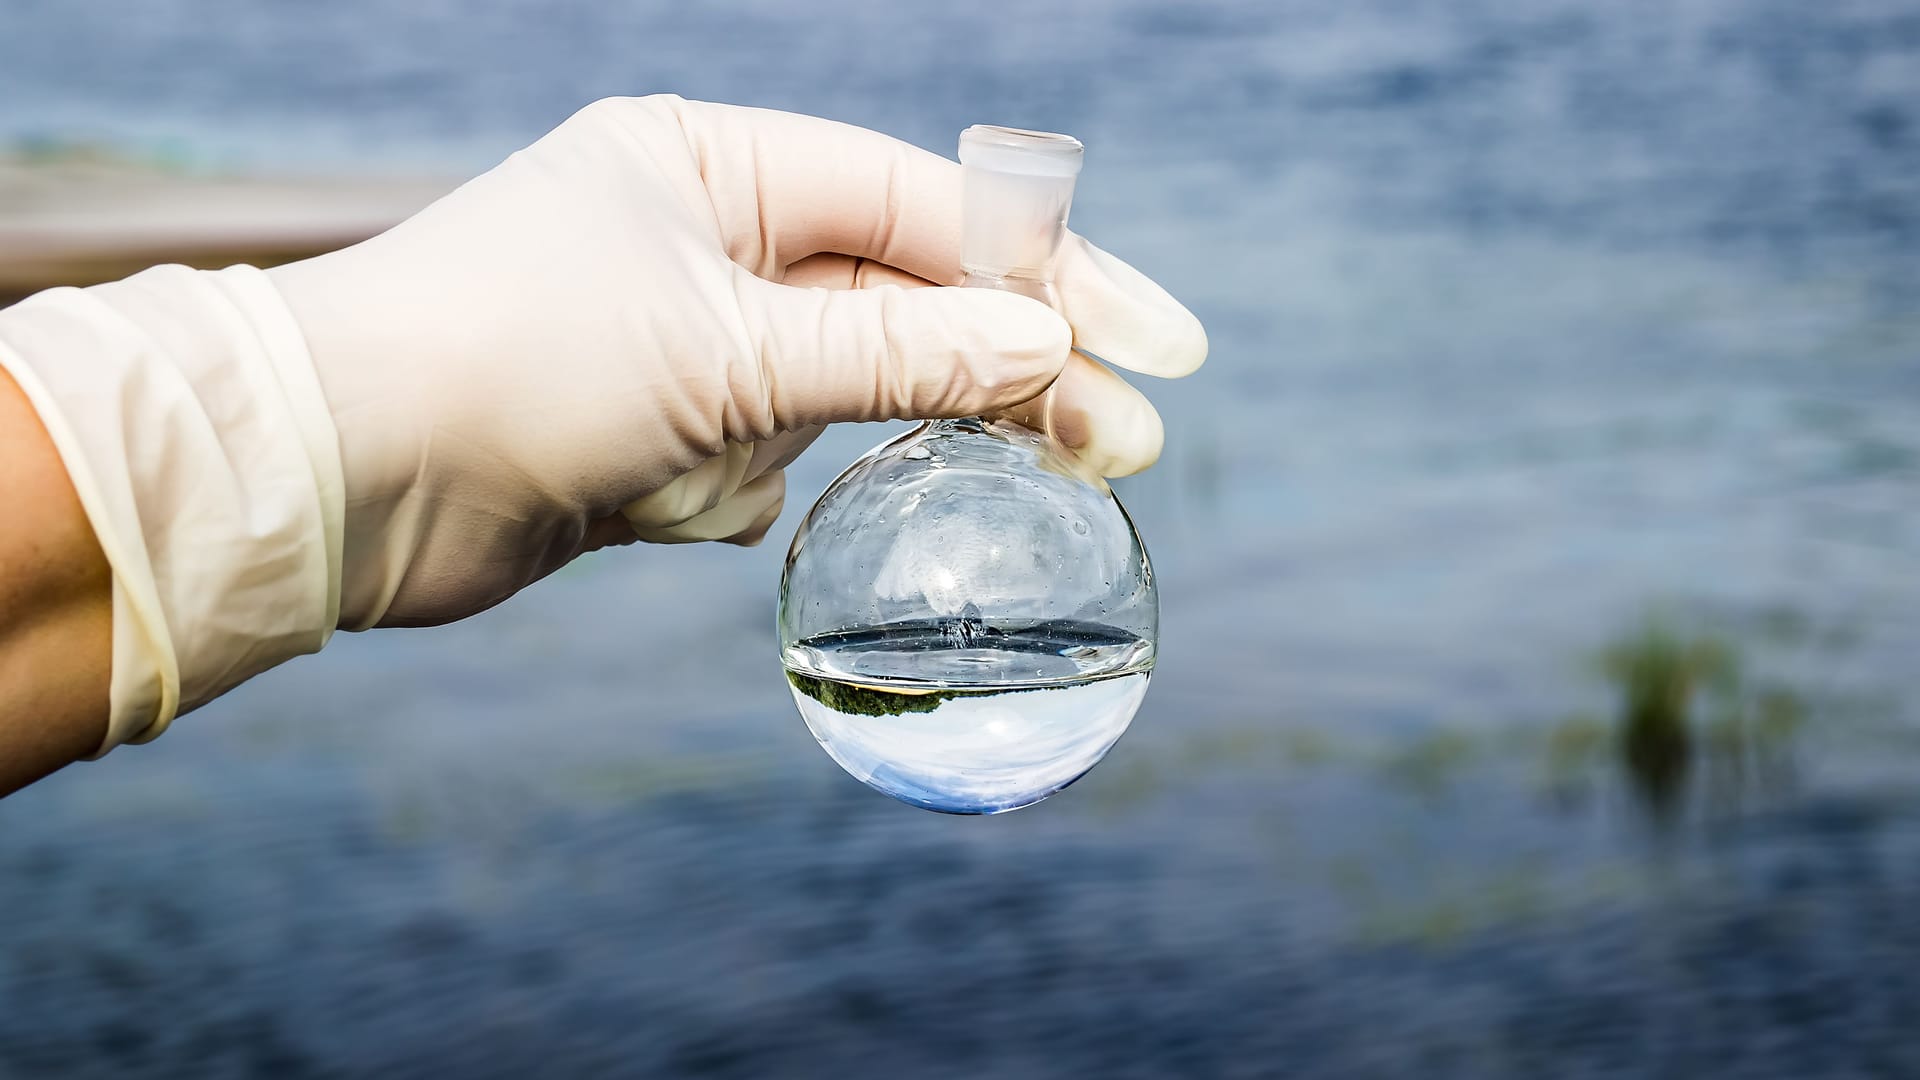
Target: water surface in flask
{"x":966,"y":715}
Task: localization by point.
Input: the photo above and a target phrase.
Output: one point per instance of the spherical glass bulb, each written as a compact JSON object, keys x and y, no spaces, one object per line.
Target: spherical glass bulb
{"x":967,"y":618}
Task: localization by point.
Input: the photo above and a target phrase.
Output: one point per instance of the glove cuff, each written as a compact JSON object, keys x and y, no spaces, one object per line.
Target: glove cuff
{"x":189,"y":417}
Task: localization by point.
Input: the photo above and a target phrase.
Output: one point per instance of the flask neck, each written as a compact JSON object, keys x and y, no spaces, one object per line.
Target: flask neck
{"x":1018,"y":188}
{"x":1034,"y":288}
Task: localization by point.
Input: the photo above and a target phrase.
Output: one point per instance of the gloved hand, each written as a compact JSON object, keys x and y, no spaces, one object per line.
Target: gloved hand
{"x":628,"y":314}
{"x":627,"y":329}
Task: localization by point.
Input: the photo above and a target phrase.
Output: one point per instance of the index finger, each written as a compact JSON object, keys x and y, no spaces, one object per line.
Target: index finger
{"x":786,"y":187}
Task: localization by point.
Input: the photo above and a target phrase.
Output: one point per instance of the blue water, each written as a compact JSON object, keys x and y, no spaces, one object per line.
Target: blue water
{"x":1536,"y":326}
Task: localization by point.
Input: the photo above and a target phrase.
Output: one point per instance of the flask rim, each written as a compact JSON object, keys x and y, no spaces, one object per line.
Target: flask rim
{"x":1021,"y":151}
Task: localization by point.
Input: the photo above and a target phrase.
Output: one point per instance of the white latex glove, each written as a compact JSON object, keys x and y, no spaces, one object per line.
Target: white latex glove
{"x":627,"y":314}
{"x":626,"y":329}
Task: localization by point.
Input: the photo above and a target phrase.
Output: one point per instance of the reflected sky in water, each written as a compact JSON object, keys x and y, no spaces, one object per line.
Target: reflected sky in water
{"x":1542,"y":333}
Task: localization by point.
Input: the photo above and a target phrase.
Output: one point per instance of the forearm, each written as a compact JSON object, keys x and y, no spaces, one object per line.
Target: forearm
{"x":56,"y":606}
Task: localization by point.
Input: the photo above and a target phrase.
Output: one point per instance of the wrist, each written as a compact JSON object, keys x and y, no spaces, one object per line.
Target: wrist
{"x":189,"y":418}
{"x":361,"y":359}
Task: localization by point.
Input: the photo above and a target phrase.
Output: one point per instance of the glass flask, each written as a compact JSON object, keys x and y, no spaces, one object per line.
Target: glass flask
{"x":967,"y":616}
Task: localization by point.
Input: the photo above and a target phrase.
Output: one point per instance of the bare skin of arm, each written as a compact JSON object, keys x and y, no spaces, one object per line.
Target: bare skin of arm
{"x":56,"y":606}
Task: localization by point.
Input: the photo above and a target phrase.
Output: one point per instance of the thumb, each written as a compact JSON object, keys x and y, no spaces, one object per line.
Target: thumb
{"x":888,"y":353}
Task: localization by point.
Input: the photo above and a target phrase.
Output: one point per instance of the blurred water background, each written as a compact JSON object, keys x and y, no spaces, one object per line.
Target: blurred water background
{"x":1540,"y":554}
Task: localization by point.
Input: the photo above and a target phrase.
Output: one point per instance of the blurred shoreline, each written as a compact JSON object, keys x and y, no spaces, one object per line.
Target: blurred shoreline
{"x":80,"y":216}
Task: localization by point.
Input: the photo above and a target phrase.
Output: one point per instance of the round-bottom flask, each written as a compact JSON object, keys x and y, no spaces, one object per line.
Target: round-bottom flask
{"x":967,"y":623}
{"x":967,"y":615}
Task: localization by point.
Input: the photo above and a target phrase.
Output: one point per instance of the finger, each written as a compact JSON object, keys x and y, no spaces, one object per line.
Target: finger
{"x":832,"y":270}
{"x":780,"y":451}
{"x":786,"y":186}
{"x":824,"y":356}
{"x":694,"y":492}
{"x":1122,"y":316}
{"x":757,"y":529}
{"x":1110,"y":426}
{"x":742,"y":519}
{"x":1118,"y":313}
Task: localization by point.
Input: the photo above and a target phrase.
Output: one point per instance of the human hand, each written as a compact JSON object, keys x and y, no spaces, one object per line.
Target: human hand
{"x":630,"y":328}
{"x":625,"y":331}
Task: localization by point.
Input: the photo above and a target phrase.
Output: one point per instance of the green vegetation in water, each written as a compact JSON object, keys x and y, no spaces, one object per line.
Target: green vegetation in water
{"x":1686,"y":706}
{"x":1705,"y":716}
{"x":1428,"y":765}
{"x":854,"y":700}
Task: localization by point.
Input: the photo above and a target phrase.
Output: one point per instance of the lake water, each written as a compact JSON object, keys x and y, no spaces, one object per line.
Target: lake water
{"x":1539,"y":554}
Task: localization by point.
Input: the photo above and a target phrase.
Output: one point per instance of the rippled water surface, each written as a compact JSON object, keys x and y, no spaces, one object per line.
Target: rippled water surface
{"x":1539,"y":556}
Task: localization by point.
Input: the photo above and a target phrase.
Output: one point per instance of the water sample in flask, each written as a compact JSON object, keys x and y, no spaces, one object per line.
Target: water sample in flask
{"x":967,"y":615}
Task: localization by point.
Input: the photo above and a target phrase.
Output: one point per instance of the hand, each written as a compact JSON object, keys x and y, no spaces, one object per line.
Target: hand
{"x":630,"y":327}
